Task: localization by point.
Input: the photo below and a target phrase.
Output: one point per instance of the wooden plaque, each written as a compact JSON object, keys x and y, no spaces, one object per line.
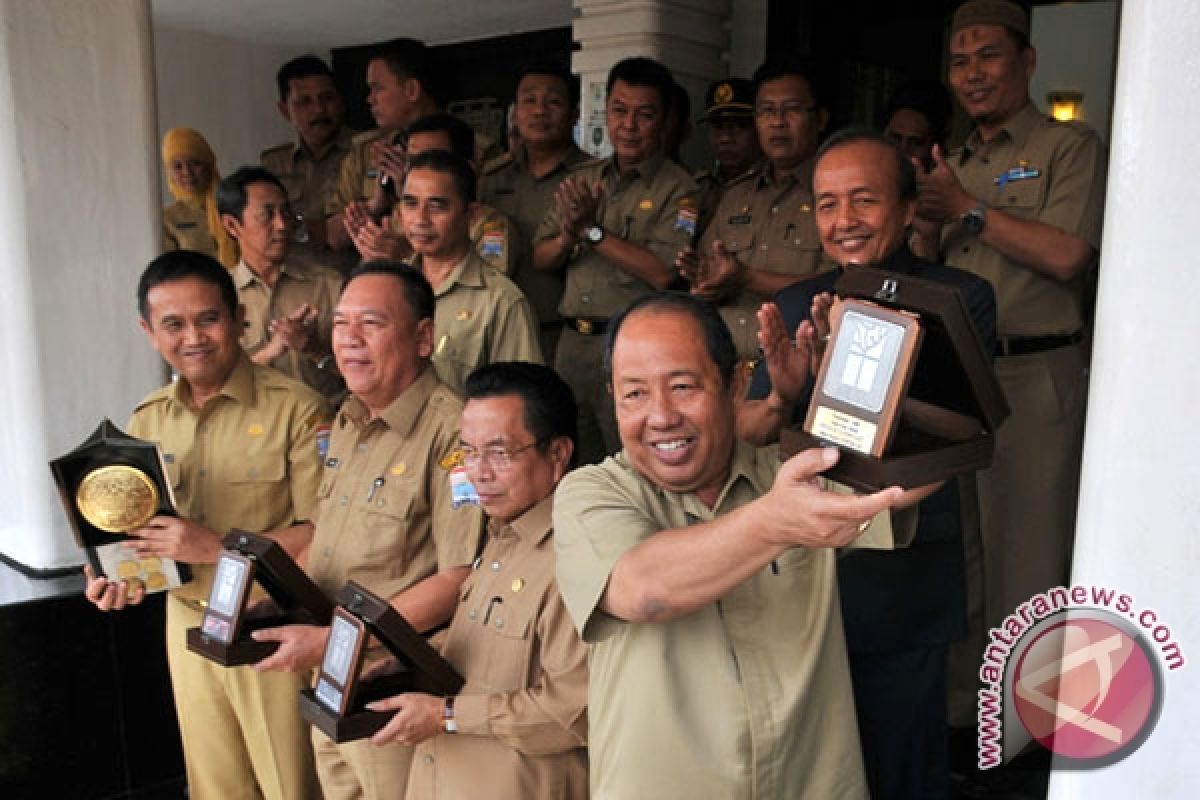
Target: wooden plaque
{"x":336,"y":704}
{"x":224,"y":632}
{"x":864,"y":376}
{"x":942,"y":423}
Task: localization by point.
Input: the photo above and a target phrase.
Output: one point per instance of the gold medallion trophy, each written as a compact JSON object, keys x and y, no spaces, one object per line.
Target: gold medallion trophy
{"x":905,"y":390}
{"x":110,"y":484}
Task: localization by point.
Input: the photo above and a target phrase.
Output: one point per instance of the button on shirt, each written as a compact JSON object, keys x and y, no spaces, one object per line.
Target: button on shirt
{"x":521,"y":715}
{"x":384,"y":513}
{"x":748,"y":697}
{"x":247,"y":460}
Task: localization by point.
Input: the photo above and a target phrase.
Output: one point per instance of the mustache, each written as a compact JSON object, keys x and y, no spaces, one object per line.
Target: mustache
{"x":321,"y":120}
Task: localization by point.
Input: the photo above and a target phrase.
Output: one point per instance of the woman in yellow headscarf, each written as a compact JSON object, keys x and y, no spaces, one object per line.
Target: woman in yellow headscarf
{"x":192,"y":221}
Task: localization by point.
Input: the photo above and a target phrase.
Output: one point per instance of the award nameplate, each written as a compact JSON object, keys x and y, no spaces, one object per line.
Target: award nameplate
{"x":336,"y":703}
{"x":110,"y":484}
{"x":905,"y":390}
{"x":224,"y":632}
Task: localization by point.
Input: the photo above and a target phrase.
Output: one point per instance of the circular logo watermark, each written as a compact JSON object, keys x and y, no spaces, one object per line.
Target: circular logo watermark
{"x":1087,"y":687}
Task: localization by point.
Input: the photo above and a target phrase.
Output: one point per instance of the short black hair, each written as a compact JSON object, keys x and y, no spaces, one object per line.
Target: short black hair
{"x":796,"y":67}
{"x":410,"y":58}
{"x":451,"y":164}
{"x":929,"y":99}
{"x":177,"y":265}
{"x":417,"y":291}
{"x":550,"y":408}
{"x":231,"y":191}
{"x":641,"y":71}
{"x":305,"y":66}
{"x":460,"y":134}
{"x":554,"y":69}
{"x":906,"y":174}
{"x":717,"y":339}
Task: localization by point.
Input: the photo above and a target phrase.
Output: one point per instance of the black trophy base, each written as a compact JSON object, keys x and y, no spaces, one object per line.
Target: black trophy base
{"x":348,"y":728}
{"x":241,"y":652}
{"x":930,"y":445}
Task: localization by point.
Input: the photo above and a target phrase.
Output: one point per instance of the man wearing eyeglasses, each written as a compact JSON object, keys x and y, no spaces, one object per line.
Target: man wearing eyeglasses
{"x":763,"y":238}
{"x":518,"y":727}
{"x":385,"y":514}
{"x":288,"y":303}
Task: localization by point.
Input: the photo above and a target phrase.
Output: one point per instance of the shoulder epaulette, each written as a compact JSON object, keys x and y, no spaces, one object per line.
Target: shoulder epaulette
{"x":496,"y":164}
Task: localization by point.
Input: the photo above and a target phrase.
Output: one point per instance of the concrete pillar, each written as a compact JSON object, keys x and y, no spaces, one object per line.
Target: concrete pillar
{"x":78,"y":220}
{"x":691,"y":37}
{"x":1138,"y":506}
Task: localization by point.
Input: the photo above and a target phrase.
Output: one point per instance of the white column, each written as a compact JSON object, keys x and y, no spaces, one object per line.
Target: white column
{"x":691,"y":37}
{"x":1139,"y":507}
{"x":78,"y":221}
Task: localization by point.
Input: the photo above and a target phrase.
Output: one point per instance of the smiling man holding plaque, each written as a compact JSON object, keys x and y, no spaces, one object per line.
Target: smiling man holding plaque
{"x":901,"y":608}
{"x":239,"y":443}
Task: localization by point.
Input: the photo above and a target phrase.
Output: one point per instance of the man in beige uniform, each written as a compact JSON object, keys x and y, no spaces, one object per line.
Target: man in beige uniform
{"x":701,"y":572}
{"x":481,"y":316}
{"x":1022,"y":204}
{"x":404,"y":85}
{"x":522,"y":183}
{"x":239,"y":444}
{"x":763,"y":236}
{"x":385,"y":515}
{"x":517,"y":729}
{"x":616,"y":225}
{"x":309,"y":165}
{"x":288,"y":304}
{"x":492,"y":234}
{"x":729,"y":118}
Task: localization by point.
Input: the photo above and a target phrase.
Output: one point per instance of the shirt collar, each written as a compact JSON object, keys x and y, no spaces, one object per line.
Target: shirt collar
{"x":534,"y":525}
{"x":239,"y":386}
{"x":801,"y":174}
{"x":1018,"y":129}
{"x":403,"y":413}
{"x":341,"y":144}
{"x":243,"y":276}
{"x":646,"y":170}
{"x":468,"y":272}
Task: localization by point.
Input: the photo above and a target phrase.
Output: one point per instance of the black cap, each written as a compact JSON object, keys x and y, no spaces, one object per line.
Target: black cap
{"x":733,"y":97}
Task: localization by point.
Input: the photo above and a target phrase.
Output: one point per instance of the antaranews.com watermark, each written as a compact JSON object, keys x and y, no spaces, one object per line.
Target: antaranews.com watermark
{"x":1078,"y":670}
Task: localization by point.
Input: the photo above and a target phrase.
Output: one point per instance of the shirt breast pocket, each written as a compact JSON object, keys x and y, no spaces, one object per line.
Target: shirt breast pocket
{"x":386,"y":514}
{"x":740,"y":243}
{"x":254,"y":483}
{"x":506,"y":630}
{"x":1021,"y":197}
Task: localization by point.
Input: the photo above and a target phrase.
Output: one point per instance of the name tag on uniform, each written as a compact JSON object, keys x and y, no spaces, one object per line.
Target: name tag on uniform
{"x":740,"y":219}
{"x":185,"y":225}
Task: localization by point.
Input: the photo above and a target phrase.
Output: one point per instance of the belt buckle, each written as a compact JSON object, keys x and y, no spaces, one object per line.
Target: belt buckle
{"x":585,"y":326}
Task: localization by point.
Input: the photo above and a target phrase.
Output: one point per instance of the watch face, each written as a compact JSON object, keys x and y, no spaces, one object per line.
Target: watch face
{"x":595,"y":234}
{"x":973,"y":220}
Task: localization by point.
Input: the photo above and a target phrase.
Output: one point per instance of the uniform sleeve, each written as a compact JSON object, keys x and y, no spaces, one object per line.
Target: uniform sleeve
{"x":594,"y":525}
{"x":551,"y":224}
{"x":1075,"y":191}
{"x":456,"y":532}
{"x":549,"y":716}
{"x":325,"y":380}
{"x":498,"y":243}
{"x":514,"y":333}
{"x":304,"y":457}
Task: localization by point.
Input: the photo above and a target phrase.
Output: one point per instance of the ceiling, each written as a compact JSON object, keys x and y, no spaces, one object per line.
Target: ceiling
{"x":321,"y":24}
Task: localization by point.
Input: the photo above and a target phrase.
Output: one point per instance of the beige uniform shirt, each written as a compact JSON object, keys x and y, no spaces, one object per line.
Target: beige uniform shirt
{"x":385,"y":516}
{"x":507,"y":184}
{"x":522,"y":721}
{"x":766,"y":221}
{"x":247,"y":460}
{"x":748,"y":697}
{"x":652,"y":205}
{"x":1035,"y":168}
{"x":309,"y":182}
{"x":479,"y":317}
{"x":297,"y":284}
{"x":185,"y":227}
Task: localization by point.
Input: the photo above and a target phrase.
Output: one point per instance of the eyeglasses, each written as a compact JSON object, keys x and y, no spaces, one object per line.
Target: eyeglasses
{"x":497,"y":458}
{"x":790,"y":110}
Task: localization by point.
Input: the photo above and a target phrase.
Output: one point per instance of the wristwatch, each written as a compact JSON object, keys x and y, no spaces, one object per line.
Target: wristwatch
{"x":974,"y":220}
{"x":594,"y":235}
{"x":449,"y":724}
